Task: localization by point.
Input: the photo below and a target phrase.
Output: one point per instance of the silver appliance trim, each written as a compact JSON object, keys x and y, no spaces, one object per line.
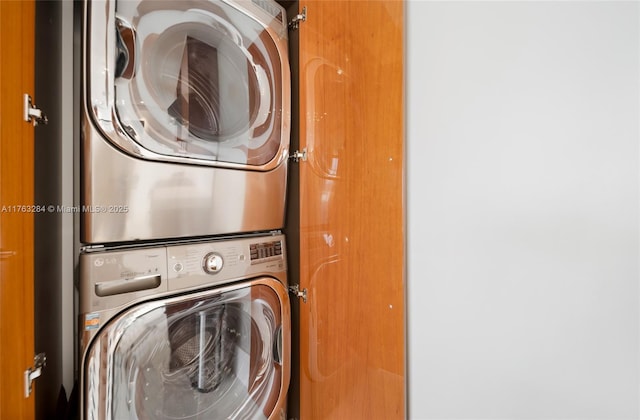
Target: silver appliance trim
{"x":180,"y":241}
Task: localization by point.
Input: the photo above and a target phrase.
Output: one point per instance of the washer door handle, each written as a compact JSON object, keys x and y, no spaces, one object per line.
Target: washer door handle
{"x":277,"y":345}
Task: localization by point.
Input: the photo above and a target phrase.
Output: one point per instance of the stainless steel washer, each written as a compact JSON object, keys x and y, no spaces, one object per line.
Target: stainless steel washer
{"x":191,"y":331}
{"x":185,"y":118}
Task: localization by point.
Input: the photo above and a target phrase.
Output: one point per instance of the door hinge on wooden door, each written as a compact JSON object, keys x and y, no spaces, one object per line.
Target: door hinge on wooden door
{"x":300,"y":17}
{"x":39,"y":362}
{"x":298,"y":155}
{"x":32,"y":114}
{"x":295,"y":290}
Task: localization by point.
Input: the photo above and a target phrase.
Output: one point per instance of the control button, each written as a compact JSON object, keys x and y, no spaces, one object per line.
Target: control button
{"x":177,"y":267}
{"x":212,"y":263}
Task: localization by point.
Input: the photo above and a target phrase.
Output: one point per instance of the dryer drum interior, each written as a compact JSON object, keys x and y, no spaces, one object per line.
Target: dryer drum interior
{"x":196,"y":358}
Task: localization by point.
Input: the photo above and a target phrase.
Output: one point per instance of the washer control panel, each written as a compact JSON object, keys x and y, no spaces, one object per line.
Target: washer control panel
{"x":113,"y":277}
{"x":201,"y":264}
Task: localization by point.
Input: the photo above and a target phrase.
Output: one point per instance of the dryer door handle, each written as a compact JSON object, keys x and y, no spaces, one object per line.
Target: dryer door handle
{"x":126,"y":48}
{"x":264,"y":108}
{"x":136,"y":284}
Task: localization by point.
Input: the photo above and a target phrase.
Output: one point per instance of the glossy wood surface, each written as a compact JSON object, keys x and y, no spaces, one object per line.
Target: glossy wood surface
{"x":16,"y":222}
{"x":352,"y":343}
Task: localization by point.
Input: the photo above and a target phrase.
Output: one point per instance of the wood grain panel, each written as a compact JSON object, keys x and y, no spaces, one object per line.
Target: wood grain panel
{"x":351,"y":211}
{"x":16,"y":222}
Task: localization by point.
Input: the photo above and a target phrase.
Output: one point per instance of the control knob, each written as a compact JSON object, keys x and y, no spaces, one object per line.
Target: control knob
{"x":212,"y":263}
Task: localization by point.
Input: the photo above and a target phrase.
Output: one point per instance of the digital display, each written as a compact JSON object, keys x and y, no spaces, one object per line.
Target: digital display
{"x":265,"y":250}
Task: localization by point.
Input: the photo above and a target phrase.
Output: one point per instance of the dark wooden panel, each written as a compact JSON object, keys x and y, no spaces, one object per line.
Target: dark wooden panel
{"x":16,"y":219}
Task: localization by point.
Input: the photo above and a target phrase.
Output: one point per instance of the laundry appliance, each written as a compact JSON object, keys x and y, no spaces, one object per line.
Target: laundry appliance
{"x":197,"y":330}
{"x":185,"y":119}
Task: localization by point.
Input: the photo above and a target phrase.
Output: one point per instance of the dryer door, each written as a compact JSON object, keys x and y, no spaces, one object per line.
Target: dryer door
{"x":194,"y":81}
{"x":217,"y":354}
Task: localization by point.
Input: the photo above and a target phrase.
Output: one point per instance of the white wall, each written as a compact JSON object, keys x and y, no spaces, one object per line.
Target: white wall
{"x":523,"y":208}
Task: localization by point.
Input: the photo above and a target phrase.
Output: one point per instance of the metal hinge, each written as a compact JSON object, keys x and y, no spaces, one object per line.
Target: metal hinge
{"x":32,"y":114}
{"x":300,"y":17}
{"x":298,"y":155}
{"x":295,"y":290}
{"x":39,"y":362}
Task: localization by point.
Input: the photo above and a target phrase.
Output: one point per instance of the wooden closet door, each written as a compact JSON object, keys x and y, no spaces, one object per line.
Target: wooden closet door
{"x":351,"y":221}
{"x":16,"y":214}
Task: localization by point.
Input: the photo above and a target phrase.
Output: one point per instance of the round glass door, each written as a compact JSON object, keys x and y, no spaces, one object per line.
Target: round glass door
{"x":199,"y":82}
{"x":212,"y":357}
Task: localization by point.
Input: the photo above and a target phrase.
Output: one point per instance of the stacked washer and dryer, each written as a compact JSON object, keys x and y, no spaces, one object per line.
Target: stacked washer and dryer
{"x":184,"y":311}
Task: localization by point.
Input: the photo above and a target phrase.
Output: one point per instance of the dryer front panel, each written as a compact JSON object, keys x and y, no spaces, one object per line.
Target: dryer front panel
{"x":190,"y":81}
{"x":212,"y":355}
{"x":185,"y":119}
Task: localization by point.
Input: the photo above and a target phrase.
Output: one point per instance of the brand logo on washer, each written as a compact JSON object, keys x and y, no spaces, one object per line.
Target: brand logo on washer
{"x":99,"y":262}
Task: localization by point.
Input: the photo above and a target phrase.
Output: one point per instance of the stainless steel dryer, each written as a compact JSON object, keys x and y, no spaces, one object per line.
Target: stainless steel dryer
{"x":185,"y":118}
{"x":188,"y":331}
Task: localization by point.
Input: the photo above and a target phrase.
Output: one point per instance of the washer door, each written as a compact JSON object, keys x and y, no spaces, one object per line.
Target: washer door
{"x":218,"y":354}
{"x":193,"y":80}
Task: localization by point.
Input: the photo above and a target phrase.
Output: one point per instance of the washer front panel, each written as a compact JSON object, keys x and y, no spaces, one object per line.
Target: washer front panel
{"x":217,"y":354}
